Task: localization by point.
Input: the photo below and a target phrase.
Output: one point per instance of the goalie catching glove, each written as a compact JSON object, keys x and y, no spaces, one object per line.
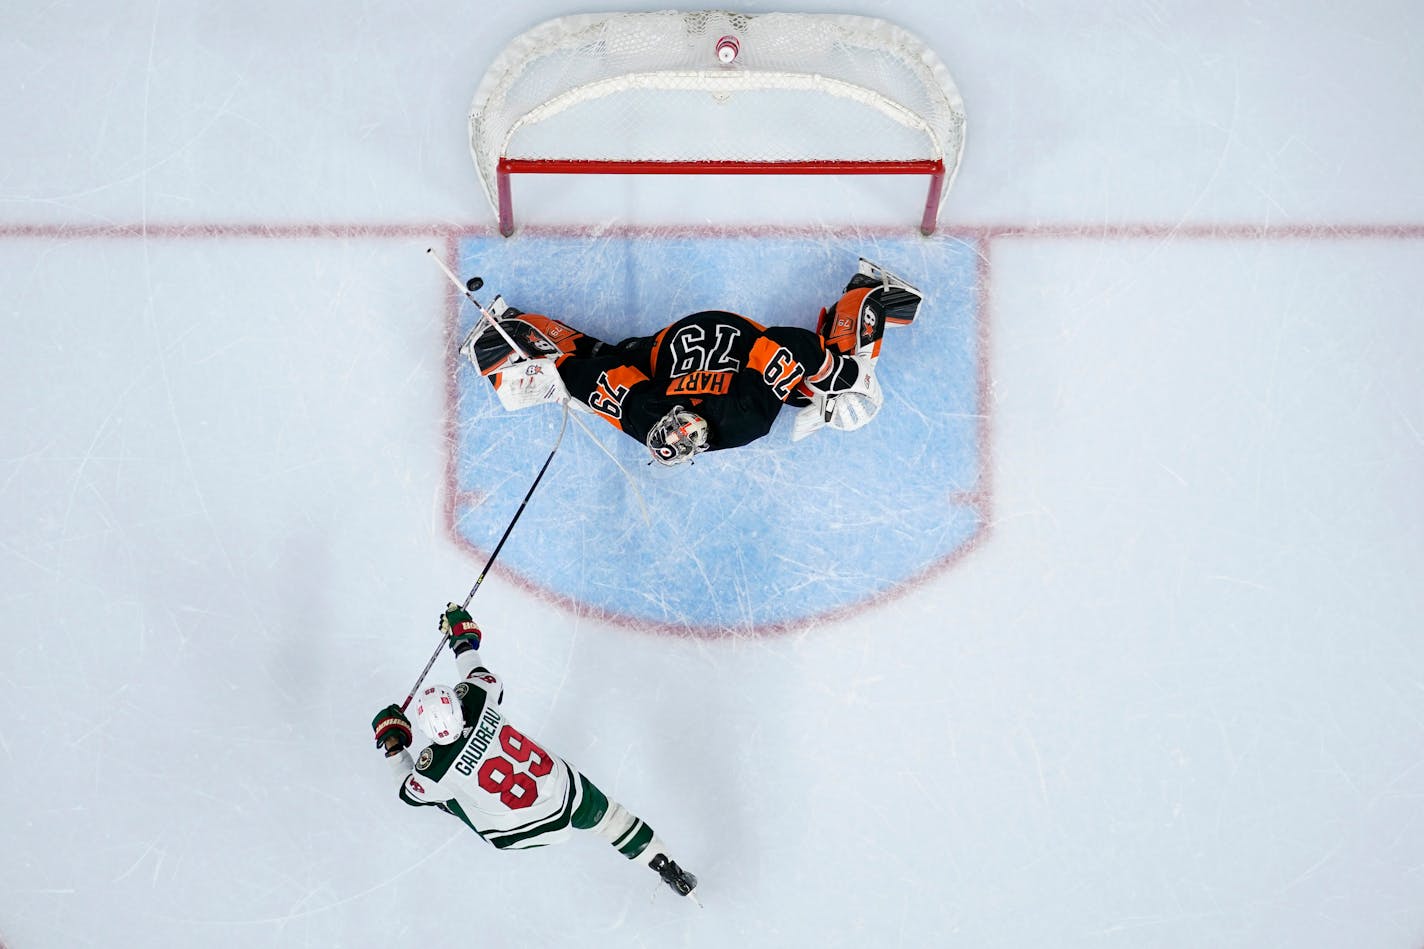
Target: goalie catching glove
{"x":456,"y":623}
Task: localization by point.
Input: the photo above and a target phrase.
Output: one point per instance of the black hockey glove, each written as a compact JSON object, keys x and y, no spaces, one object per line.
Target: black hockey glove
{"x":841,"y":376}
{"x":456,"y":623}
{"x":390,"y":722}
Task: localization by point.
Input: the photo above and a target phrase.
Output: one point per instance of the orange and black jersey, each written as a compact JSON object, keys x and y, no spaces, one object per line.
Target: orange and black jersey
{"x":732,"y":371}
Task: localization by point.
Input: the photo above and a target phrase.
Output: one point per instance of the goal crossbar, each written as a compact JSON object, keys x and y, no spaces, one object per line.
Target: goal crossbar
{"x":933,"y":168}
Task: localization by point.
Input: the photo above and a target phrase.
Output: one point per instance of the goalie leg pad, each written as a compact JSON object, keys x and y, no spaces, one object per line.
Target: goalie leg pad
{"x":900,"y":300}
{"x":855,"y":324}
{"x":520,"y":336}
{"x":528,"y":382}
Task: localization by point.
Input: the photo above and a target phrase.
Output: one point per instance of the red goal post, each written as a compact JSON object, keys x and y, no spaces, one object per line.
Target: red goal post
{"x":648,"y":93}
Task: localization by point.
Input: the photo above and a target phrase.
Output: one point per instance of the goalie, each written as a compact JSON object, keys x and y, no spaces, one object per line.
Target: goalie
{"x":709,"y":381}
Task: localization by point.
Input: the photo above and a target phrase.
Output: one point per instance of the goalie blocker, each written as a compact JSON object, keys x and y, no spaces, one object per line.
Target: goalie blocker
{"x":709,"y":381}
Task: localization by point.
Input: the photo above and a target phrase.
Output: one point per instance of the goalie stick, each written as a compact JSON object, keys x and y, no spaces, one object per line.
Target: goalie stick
{"x":525,"y":379}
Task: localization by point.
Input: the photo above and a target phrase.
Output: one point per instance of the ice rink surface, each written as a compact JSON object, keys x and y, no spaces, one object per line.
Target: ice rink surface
{"x":1166,"y":691}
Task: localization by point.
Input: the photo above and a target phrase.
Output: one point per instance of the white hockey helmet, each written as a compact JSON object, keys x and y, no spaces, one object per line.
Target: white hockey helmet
{"x":438,"y":711}
{"x":677,"y":437}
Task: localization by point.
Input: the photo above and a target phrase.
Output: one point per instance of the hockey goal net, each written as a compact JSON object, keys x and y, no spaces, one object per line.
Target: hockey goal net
{"x":716,"y":92}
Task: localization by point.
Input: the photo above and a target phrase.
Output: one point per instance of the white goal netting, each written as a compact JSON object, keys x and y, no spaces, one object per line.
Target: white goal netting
{"x":633,"y":89}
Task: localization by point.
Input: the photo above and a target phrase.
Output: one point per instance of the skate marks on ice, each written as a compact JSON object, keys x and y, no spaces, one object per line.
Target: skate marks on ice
{"x":759,"y":539}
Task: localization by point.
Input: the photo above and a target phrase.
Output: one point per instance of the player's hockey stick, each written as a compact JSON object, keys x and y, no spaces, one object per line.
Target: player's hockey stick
{"x":497,"y":548}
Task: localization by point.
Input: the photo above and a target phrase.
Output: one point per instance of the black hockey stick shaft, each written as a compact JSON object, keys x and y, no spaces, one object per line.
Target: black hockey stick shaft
{"x":522,"y":505}
{"x":497,"y":548}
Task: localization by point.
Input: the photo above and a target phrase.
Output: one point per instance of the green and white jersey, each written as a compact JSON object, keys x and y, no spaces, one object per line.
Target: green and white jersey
{"x":507,"y":788}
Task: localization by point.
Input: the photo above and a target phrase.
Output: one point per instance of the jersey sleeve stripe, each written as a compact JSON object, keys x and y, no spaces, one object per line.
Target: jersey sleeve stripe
{"x":638,"y":842}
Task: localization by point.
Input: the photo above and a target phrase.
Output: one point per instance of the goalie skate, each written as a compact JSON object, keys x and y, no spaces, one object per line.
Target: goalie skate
{"x":855,"y":326}
{"x":506,"y":337}
{"x":900,"y":300}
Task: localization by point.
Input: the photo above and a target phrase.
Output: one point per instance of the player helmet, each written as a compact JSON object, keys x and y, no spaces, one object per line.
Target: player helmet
{"x":677,"y":437}
{"x":438,"y":712}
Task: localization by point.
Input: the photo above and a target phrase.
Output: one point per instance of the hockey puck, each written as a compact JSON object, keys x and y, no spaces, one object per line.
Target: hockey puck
{"x":473,"y":284}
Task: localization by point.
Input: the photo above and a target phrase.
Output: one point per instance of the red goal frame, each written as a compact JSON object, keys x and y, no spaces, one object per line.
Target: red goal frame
{"x":506,"y":167}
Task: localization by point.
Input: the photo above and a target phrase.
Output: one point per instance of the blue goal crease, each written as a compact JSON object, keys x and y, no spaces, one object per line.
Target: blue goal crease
{"x":770,"y":534}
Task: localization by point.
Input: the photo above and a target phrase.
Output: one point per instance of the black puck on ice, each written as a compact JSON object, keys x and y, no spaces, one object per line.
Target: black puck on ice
{"x":473,"y":284}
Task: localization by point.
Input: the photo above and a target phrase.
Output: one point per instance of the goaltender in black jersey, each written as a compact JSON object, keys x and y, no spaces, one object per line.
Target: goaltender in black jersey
{"x":708,"y":381}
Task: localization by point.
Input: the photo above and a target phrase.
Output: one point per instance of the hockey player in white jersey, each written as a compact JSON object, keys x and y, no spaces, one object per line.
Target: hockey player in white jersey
{"x":507,"y":788}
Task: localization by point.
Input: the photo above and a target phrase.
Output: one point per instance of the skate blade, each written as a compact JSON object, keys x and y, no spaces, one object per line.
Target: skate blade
{"x":876,"y":272}
{"x":653,"y":896}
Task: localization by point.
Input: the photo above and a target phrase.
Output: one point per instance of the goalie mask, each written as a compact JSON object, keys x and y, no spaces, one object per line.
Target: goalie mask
{"x":677,"y":437}
{"x":437,"y":709}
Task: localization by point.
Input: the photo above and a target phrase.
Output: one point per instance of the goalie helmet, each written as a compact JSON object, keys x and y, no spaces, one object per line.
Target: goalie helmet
{"x":437,"y":709}
{"x":677,"y":437}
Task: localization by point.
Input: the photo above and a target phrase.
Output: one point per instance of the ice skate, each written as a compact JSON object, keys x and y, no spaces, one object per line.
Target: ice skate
{"x":900,"y":300}
{"x":681,"y":882}
{"x":492,"y":348}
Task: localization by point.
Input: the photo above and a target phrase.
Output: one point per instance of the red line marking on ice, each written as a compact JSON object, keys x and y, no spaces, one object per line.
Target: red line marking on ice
{"x":451,"y":232}
{"x":453,"y":496}
{"x":219,"y":231}
{"x":984,"y":235}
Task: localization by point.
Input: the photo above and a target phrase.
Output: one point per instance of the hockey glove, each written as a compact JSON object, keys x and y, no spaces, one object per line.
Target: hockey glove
{"x":456,"y":623}
{"x":390,"y":722}
{"x":839,"y":376}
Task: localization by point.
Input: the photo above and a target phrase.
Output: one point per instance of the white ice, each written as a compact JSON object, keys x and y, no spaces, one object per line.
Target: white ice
{"x":1173,"y":697}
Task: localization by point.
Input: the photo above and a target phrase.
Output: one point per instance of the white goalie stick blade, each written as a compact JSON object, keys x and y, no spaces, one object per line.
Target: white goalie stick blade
{"x":879,"y":274}
{"x":528,"y":382}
